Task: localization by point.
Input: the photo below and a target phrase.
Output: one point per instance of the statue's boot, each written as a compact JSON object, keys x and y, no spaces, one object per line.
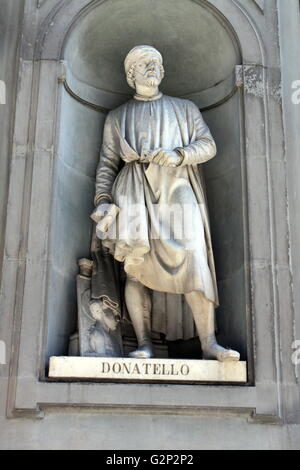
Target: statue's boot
{"x":204,"y":317}
{"x":138,"y":304}
{"x":144,"y":351}
{"x":212,"y":350}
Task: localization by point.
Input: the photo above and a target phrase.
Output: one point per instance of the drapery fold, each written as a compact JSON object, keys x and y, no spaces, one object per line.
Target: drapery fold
{"x":162,"y":232}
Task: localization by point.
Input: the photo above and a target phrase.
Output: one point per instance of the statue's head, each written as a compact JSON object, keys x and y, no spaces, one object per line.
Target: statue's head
{"x":108,"y":317}
{"x":144,"y":65}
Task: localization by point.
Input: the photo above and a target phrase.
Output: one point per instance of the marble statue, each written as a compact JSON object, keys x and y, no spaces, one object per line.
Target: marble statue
{"x":151,"y":211}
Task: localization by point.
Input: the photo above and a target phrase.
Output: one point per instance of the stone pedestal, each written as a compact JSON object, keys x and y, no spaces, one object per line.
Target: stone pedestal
{"x":146,"y":370}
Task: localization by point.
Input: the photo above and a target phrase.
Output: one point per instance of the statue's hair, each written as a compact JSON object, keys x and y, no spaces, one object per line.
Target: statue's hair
{"x":130,"y":76}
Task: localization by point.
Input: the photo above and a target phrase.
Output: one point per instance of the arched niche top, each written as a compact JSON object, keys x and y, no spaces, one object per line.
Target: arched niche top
{"x":199,"y":50}
{"x":52,"y":38}
{"x":104,"y":101}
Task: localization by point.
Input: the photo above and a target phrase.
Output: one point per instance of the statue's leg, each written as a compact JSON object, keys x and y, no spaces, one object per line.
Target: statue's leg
{"x":138,"y":303}
{"x":204,"y":317}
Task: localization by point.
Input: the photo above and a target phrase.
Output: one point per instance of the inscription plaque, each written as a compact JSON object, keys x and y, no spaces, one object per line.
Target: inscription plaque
{"x":154,"y":370}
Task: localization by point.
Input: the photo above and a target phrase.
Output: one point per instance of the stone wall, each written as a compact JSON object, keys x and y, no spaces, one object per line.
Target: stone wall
{"x":10,"y":30}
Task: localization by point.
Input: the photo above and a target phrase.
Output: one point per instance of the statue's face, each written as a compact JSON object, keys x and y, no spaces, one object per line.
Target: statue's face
{"x":148,"y":70}
{"x":104,"y":315}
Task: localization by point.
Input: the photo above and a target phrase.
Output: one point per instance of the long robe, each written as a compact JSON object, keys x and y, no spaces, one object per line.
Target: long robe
{"x":162,"y":232}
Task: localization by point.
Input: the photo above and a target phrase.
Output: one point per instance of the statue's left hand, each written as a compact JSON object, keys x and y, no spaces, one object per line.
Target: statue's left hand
{"x":165,"y":157}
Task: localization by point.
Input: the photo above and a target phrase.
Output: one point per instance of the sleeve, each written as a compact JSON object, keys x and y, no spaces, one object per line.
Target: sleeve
{"x":109,"y":161}
{"x":202,"y":147}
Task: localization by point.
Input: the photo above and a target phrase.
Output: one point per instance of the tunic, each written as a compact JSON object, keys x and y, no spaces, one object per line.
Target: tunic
{"x":162,"y":231}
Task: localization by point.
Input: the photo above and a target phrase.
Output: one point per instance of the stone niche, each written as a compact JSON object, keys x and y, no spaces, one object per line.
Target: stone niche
{"x":217,"y":54}
{"x":201,"y":57}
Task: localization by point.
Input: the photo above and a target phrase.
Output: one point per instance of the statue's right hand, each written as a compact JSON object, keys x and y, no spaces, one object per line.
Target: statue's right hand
{"x":104,"y":215}
{"x":100,"y":211}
